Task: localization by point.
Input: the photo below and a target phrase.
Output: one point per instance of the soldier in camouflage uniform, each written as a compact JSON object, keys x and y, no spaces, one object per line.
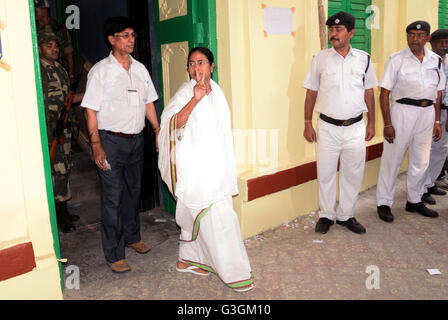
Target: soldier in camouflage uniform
{"x":55,"y":84}
{"x":45,"y":23}
{"x":82,"y":136}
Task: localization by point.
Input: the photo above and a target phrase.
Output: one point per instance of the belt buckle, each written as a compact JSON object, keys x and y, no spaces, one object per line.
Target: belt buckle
{"x":424,"y":103}
{"x":346,"y":123}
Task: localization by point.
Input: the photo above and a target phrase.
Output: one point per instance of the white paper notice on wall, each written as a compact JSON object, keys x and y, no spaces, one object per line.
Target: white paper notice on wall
{"x":278,"y":20}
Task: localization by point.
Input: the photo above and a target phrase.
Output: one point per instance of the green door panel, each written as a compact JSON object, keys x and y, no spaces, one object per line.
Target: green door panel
{"x":195,"y":25}
{"x":357,"y":8}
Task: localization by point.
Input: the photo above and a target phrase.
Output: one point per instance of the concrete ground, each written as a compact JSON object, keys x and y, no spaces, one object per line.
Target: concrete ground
{"x":290,"y":262}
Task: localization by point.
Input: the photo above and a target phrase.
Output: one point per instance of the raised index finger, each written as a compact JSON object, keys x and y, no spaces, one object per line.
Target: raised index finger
{"x":203,"y":78}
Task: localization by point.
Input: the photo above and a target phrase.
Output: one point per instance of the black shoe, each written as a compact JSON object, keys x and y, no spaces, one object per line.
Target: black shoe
{"x":420,"y":208}
{"x":426,"y":197}
{"x":64,"y":220}
{"x":68,"y":228}
{"x":74,"y":217}
{"x":323,"y":225}
{"x":436,"y":191}
{"x":385,"y":213}
{"x":352,"y":225}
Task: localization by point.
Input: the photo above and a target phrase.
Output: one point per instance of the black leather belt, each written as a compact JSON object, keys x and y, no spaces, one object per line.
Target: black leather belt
{"x":120,"y":134}
{"x":443,"y":107}
{"x":419,"y":103}
{"x":338,"y":122}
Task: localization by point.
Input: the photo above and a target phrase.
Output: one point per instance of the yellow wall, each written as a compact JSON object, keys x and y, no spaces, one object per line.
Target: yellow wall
{"x":262,"y":78}
{"x":24,"y":212}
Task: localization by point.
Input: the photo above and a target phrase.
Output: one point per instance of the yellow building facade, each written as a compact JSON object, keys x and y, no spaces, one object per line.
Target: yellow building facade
{"x":261,"y":75}
{"x":28,"y":262}
{"x":262,"y":78}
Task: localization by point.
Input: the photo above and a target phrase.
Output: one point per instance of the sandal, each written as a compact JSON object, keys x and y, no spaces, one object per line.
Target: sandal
{"x":191,"y":269}
{"x":244,"y":289}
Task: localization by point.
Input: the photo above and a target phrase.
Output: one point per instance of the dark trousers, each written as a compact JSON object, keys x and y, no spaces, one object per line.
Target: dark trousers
{"x":120,"y":194}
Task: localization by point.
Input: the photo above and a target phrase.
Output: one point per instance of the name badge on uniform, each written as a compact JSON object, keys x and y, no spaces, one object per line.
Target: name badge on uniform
{"x":133,"y":99}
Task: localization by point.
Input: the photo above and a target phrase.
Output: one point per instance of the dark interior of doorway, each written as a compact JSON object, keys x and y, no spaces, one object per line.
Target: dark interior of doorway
{"x":139,"y":12}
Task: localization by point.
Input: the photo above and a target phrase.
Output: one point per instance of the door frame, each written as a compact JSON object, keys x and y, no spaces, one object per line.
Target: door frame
{"x":44,"y":141}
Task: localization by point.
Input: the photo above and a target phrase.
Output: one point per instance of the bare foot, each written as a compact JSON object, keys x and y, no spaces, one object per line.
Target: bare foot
{"x":183,"y":265}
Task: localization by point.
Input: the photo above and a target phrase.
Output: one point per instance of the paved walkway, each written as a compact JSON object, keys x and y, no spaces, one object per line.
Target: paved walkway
{"x":288,"y":262}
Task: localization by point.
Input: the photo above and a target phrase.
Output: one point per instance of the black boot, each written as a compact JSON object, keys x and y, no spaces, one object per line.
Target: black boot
{"x":426,"y":197}
{"x":436,"y":191}
{"x":73,"y":217}
{"x":65,"y":222}
{"x":384,"y":213}
{"x":421,"y":208}
{"x":323,"y":225}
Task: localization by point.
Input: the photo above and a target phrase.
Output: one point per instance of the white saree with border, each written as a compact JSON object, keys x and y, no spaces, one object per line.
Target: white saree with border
{"x":197,"y":163}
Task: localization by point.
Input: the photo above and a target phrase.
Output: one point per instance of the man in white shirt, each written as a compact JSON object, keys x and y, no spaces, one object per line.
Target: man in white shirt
{"x":415,"y":80}
{"x":119,"y":95}
{"x":340,"y":85}
{"x":439,"y":149}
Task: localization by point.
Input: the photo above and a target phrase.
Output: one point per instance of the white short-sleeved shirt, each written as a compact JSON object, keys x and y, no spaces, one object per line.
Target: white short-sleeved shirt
{"x":406,"y":77}
{"x":340,"y":82}
{"x":119,"y":96}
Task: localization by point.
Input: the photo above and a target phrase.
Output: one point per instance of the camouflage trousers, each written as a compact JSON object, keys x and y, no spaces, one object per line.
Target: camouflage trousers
{"x":60,"y":170}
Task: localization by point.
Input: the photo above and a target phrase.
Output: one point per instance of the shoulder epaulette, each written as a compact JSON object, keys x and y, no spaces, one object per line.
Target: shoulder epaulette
{"x":395,"y":54}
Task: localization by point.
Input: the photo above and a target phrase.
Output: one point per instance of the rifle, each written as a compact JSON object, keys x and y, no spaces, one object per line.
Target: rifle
{"x":62,"y":121}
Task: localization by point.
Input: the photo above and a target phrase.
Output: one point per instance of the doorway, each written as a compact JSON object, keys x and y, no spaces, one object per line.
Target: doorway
{"x":88,"y":42}
{"x":166,"y":32}
{"x":193,"y":24}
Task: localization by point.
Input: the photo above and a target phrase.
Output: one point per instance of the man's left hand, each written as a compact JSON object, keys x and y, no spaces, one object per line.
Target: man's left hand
{"x":437,"y":132}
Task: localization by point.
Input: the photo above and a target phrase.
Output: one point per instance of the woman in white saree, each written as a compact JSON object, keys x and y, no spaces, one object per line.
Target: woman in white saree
{"x":197,"y":162}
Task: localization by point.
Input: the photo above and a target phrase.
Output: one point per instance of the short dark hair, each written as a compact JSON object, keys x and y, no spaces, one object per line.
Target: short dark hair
{"x":114,"y":25}
{"x":205,"y":51}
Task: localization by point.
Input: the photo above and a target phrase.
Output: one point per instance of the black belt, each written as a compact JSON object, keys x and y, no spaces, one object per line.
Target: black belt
{"x":120,"y":134}
{"x":419,"y":103}
{"x":443,"y":107}
{"x":338,"y":122}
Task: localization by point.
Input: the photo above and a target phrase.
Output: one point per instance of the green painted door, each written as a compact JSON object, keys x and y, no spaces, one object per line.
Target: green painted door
{"x":357,"y":8}
{"x":180,"y":26}
{"x":443,"y":14}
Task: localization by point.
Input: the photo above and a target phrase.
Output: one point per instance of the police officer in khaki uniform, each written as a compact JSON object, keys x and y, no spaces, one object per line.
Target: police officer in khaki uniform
{"x":414,"y":79}
{"x":340,"y":84}
{"x":55,"y":85}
